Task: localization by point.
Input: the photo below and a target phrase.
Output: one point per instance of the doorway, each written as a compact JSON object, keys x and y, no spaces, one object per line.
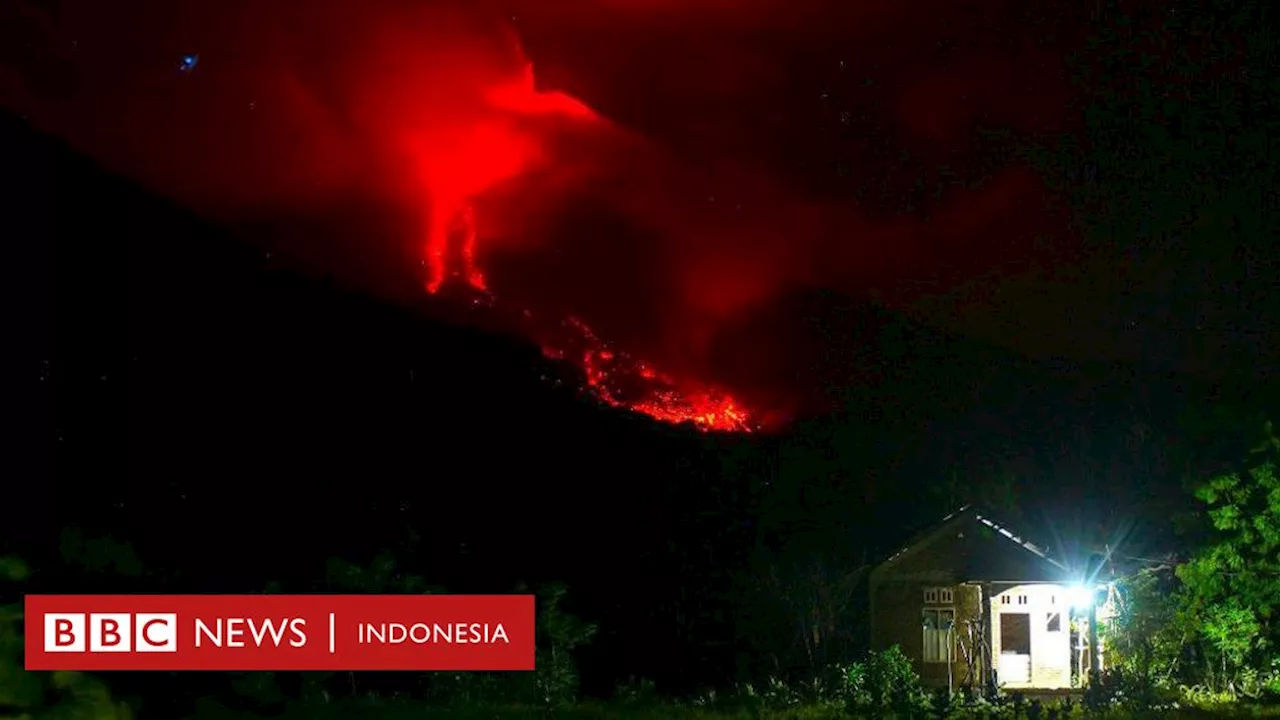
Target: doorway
{"x":1015,"y":647}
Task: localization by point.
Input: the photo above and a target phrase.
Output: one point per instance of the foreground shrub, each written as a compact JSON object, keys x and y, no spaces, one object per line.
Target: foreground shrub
{"x":886,"y":682}
{"x":56,"y":696}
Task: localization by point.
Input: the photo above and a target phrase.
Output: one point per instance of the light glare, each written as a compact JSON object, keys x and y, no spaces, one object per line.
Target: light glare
{"x":1081,"y":597}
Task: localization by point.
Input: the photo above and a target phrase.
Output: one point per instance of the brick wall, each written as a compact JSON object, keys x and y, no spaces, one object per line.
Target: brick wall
{"x":897,"y":602}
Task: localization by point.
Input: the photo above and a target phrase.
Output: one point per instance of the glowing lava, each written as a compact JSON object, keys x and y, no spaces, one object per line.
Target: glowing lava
{"x":460,"y":160}
{"x":619,"y":380}
{"x":450,"y":220}
{"x":460,"y":165}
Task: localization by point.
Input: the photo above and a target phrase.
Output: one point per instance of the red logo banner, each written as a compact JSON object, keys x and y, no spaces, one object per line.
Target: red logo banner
{"x":279,"y":632}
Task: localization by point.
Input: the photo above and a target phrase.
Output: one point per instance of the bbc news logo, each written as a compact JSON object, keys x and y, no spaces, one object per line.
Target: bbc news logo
{"x":279,"y":632}
{"x":110,"y":632}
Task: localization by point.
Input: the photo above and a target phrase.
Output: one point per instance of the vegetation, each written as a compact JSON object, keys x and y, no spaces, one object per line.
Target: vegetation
{"x":1204,"y":628}
{"x":1192,"y":639}
{"x":58,"y":695}
{"x":1192,"y":636}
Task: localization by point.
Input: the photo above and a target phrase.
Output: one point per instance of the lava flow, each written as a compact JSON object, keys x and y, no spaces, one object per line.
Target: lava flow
{"x":620,"y":380}
{"x":457,"y":168}
{"x":613,"y":377}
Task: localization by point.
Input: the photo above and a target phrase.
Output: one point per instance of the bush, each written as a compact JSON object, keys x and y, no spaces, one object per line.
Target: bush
{"x":1127,"y":689}
{"x":57,"y":695}
{"x":887,"y":682}
{"x":637,"y":691}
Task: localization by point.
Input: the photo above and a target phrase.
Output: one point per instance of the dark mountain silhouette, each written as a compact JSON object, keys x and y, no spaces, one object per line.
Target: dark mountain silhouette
{"x":243,"y":422}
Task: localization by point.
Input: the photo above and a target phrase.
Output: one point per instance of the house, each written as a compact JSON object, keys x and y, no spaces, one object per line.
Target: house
{"x":973,"y":604}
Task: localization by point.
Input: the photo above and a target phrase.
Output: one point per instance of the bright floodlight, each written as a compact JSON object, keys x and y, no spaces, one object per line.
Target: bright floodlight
{"x":1081,"y":597}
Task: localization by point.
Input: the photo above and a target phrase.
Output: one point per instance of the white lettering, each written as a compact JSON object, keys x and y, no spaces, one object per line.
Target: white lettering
{"x":424,"y":633}
{"x":259,"y":631}
{"x":202,"y":629}
{"x":110,"y":632}
{"x":294,"y":626}
{"x":298,"y":628}
{"x":235,"y":632}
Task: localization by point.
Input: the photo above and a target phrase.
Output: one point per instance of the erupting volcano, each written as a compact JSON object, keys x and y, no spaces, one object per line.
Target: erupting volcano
{"x":620,"y":380}
{"x":457,"y":167}
{"x":400,"y":146}
{"x":614,"y":377}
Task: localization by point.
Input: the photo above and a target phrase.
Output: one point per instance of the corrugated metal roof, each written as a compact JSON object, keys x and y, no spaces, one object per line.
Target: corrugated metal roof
{"x":962,"y":514}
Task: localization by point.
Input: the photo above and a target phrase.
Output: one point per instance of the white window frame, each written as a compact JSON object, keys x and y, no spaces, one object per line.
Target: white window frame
{"x":937,"y":643}
{"x":1049,"y":617}
{"x":939,"y":596}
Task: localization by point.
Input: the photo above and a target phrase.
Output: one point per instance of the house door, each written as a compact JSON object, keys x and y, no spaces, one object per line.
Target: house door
{"x":1015,"y":647}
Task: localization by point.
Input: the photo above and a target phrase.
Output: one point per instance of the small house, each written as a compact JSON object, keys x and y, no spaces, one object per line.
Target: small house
{"x":973,"y":604}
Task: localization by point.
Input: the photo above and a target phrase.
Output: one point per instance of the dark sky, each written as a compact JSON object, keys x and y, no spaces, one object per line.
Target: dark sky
{"x":742,"y":152}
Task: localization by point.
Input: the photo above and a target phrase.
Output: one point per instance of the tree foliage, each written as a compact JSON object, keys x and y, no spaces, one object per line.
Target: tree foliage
{"x":559,"y":633}
{"x":58,"y":695}
{"x":1147,"y":639}
{"x":1210,"y":625}
{"x":1231,"y":587}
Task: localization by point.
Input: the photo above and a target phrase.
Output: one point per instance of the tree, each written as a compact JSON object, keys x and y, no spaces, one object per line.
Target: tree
{"x":559,"y":632}
{"x":1148,"y":634}
{"x":799,"y":607}
{"x":54,"y":695}
{"x":1231,"y":588}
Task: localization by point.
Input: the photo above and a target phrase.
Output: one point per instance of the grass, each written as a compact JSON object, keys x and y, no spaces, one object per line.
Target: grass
{"x":663,"y":711}
{"x":581,"y":711}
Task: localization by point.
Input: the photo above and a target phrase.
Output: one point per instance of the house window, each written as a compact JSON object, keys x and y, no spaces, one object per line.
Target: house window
{"x":1022,"y":599}
{"x":938,"y":625}
{"x":1054,"y":622}
{"x":1004,"y":599}
{"x":938,"y":596}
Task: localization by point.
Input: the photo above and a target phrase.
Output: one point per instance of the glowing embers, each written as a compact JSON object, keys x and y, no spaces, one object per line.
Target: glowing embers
{"x":458,"y":163}
{"x":620,"y":380}
{"x":615,"y":378}
{"x":458,"y":223}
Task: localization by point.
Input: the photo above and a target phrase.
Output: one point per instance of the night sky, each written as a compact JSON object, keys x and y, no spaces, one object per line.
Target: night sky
{"x":737,"y":161}
{"x":999,"y":252}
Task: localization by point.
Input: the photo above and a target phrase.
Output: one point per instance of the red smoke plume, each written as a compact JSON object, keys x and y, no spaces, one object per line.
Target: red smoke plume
{"x":654,"y":194}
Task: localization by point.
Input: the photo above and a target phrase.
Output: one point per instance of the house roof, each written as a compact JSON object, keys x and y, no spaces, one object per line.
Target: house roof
{"x":969,"y":513}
